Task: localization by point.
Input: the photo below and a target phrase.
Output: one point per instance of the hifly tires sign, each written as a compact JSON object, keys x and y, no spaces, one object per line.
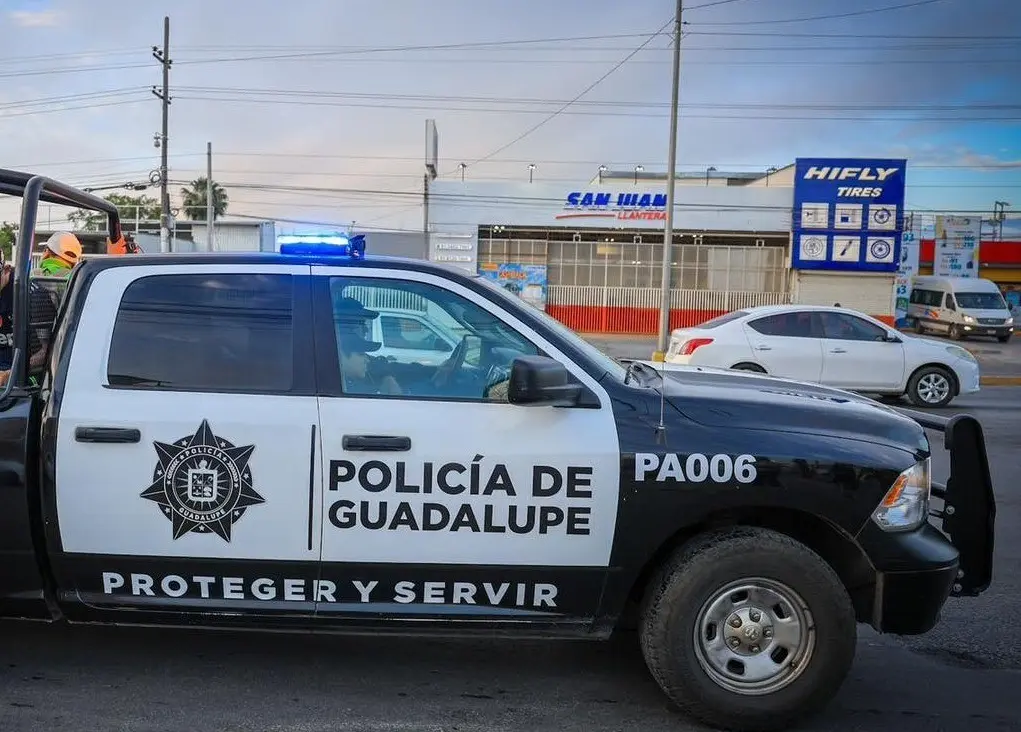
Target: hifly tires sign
{"x":848,"y":214}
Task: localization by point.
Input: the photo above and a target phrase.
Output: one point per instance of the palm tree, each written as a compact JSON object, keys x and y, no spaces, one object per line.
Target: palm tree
{"x":194,"y":197}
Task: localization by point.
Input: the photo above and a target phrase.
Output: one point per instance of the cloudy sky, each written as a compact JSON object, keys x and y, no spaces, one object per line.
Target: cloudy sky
{"x":333,"y":94}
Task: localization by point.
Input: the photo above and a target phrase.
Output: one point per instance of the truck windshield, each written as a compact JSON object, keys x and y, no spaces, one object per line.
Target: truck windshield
{"x":601,"y":359}
{"x":980,"y":301}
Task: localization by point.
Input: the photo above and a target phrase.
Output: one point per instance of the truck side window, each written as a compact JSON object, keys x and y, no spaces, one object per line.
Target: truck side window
{"x":204,"y":332}
{"x":951,"y":305}
{"x":411,"y":334}
{"x":435,"y":344}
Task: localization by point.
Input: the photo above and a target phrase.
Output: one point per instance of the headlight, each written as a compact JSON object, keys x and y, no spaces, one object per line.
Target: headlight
{"x":969,"y":319}
{"x":960,"y":353}
{"x":1008,"y":322}
{"x":906,"y":505}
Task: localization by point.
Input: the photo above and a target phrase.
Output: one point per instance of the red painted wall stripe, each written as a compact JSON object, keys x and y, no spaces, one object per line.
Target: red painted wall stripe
{"x":635,"y":321}
{"x":990,"y":253}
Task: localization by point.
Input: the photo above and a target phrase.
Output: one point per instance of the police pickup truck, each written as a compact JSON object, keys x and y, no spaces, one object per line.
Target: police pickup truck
{"x":209,"y":446}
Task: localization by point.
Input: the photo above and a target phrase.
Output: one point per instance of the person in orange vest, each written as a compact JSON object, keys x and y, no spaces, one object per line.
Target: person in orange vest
{"x":61,"y":253}
{"x":123,"y":245}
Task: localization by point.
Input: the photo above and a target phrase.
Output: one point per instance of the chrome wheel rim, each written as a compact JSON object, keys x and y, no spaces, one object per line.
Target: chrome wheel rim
{"x":754,"y":636}
{"x":933,"y":388}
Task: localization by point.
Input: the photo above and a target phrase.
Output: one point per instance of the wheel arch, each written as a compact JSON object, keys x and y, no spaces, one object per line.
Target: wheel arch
{"x":834,"y":545}
{"x":955,"y":382}
{"x":759,"y":368}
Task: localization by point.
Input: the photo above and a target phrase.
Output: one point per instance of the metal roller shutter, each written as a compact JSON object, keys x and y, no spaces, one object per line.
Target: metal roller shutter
{"x":865,"y":291}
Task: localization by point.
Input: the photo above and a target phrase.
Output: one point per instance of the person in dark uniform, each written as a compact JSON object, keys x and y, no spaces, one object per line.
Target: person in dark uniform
{"x":353,"y":322}
{"x":42,"y":314}
{"x":354,"y":364}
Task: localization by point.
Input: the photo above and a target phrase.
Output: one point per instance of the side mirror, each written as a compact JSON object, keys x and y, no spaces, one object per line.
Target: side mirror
{"x":891,"y":338}
{"x":542,"y":381}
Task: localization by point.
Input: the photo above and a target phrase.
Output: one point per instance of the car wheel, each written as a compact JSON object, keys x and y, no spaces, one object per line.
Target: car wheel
{"x":747,"y":629}
{"x":919,"y":328}
{"x":931,"y":386}
{"x":1003,"y":338}
{"x":955,"y":333}
{"x":748,"y":367}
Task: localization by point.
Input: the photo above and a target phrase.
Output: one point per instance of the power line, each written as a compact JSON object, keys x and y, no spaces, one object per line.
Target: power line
{"x":850,"y":14}
{"x":415,"y":176}
{"x":990,"y":165}
{"x":629,"y":103}
{"x":585,"y":91}
{"x":984,"y":119}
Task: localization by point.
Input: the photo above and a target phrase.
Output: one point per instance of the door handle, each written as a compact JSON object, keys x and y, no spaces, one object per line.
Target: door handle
{"x":837,"y":350}
{"x":763,"y":348}
{"x":109,"y":435}
{"x":376,"y":443}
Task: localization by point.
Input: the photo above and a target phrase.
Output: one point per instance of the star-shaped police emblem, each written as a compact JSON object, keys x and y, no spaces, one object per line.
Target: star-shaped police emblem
{"x":202,"y":483}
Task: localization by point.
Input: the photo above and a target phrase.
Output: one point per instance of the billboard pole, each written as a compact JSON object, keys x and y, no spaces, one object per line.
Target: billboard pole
{"x":668,"y":231}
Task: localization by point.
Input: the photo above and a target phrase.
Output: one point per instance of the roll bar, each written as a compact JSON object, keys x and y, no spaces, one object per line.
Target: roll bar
{"x":32,"y":189}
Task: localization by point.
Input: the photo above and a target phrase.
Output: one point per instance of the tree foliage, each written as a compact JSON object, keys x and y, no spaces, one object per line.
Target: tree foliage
{"x":194,"y":199}
{"x":8,"y":232}
{"x":145,"y":208}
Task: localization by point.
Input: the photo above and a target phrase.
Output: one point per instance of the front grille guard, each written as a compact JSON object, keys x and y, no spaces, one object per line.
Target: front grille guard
{"x":968,"y":514}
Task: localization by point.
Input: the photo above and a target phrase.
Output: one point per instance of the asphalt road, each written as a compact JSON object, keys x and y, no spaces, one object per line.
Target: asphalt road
{"x":964,"y":675}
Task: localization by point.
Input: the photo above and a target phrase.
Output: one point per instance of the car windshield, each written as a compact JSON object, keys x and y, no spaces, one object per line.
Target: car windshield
{"x":980,"y":301}
{"x":600,"y":358}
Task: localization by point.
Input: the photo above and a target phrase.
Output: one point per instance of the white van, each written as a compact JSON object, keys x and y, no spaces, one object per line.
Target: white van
{"x":959,"y":307}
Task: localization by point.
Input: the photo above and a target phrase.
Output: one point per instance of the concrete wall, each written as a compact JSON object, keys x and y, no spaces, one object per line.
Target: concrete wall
{"x":396,"y":244}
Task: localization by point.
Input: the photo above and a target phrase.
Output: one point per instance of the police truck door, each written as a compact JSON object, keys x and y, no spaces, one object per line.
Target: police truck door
{"x":443,"y":500}
{"x":187,"y":464}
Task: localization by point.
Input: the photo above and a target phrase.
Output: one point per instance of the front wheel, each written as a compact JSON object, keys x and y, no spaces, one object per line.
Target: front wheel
{"x":747,"y":629}
{"x":1003,"y":338}
{"x":931,"y":387}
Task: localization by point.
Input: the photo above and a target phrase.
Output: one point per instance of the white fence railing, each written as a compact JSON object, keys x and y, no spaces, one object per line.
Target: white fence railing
{"x":649,"y":297}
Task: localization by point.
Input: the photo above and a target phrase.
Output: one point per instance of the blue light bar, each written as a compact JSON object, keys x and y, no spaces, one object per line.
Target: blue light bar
{"x":328,"y":245}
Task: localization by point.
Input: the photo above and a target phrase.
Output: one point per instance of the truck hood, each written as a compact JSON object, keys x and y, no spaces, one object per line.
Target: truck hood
{"x":746,"y":400}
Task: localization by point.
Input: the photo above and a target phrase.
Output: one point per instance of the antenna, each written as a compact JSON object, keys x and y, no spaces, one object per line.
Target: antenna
{"x":661,"y":427}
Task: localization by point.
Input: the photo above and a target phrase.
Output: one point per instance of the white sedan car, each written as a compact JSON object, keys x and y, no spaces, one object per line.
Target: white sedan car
{"x":832,"y":346}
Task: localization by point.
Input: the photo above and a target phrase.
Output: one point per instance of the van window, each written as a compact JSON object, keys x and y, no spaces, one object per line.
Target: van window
{"x":932,"y":298}
{"x":950,"y":302}
{"x":981,"y":301}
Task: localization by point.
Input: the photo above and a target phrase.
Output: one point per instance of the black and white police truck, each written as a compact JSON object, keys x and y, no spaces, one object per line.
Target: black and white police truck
{"x":213,"y":443}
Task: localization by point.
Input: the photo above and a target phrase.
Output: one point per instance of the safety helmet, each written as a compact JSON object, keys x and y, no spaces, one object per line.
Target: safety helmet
{"x":65,"y":246}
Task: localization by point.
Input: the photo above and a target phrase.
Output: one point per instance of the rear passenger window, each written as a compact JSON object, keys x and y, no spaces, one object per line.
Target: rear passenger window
{"x":204,"y":332}
{"x":790,"y":325}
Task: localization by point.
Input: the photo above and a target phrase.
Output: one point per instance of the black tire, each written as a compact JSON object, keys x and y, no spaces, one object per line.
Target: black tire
{"x":706,"y":566}
{"x":748,"y":367}
{"x":919,"y":328}
{"x":955,"y":333}
{"x":926,"y":380}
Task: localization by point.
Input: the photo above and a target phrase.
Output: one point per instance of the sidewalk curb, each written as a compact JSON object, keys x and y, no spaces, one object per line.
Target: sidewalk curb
{"x":999,"y":381}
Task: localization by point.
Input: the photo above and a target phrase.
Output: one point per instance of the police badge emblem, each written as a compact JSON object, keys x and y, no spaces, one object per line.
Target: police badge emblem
{"x":202,"y":483}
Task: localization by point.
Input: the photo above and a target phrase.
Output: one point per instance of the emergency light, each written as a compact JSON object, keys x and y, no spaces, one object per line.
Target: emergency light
{"x":328,"y":245}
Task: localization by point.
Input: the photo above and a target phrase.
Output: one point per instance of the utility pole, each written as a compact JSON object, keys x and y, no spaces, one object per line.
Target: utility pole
{"x":999,"y":214}
{"x":209,"y":196}
{"x":163,"y":56}
{"x":668,"y":231}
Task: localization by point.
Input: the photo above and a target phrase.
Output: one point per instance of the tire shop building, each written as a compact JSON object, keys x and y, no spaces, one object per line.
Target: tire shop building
{"x":591,"y":254}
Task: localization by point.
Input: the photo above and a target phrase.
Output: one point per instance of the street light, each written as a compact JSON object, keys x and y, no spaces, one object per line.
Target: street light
{"x":710,"y":169}
{"x":769,"y":171}
{"x":638,"y":169}
{"x":602,"y":169}
{"x":462,"y":166}
{"x":531,"y":169}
